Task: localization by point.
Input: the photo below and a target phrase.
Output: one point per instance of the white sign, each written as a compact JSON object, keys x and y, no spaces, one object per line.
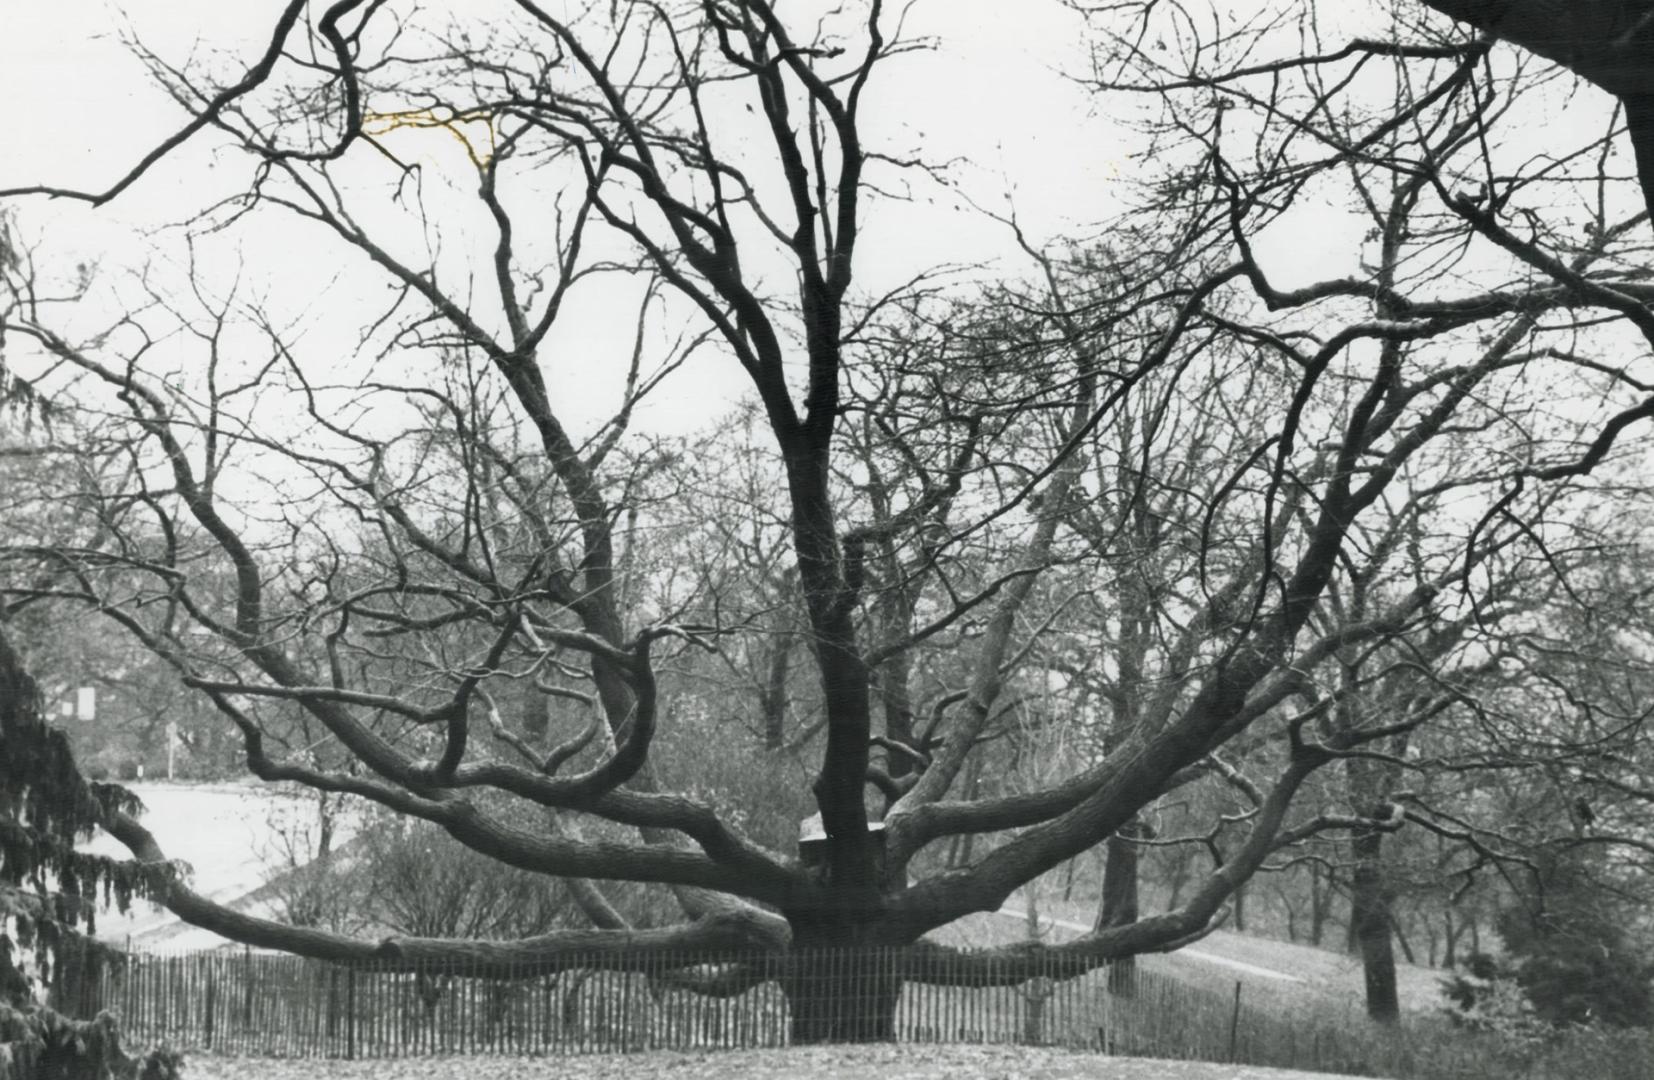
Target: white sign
{"x":86,"y":703}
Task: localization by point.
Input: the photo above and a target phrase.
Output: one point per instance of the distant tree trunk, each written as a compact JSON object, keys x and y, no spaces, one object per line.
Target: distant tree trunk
{"x":1320,"y":903}
{"x":1240,"y":907}
{"x":1370,"y":926}
{"x":1180,"y":878}
{"x":959,"y":848}
{"x":1452,"y":930}
{"x":897,"y":704}
{"x":1372,"y":920}
{"x":1119,"y":903}
{"x":534,"y":714}
{"x":1037,"y":992}
{"x":773,"y":699}
{"x":327,"y":812}
{"x":1401,"y":939}
{"x":894,"y":621}
{"x":1290,"y":906}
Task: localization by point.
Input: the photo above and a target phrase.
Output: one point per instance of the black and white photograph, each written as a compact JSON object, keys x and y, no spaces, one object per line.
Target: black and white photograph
{"x":822,"y":539}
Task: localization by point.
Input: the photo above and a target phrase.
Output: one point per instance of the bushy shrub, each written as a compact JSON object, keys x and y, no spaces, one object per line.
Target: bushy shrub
{"x":39,"y":1044}
{"x":1577,"y":966}
{"x":1486,"y":996}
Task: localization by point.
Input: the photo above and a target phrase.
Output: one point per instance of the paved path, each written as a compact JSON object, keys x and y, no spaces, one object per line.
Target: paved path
{"x":1197,"y":954}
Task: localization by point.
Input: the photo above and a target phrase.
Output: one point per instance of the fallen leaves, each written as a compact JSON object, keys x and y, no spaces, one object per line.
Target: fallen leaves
{"x":885,"y":1062}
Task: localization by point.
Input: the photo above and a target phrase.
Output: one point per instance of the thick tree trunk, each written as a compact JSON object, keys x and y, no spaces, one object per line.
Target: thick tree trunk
{"x":1370,"y":925}
{"x":831,"y":587}
{"x":840,"y":996}
{"x":839,"y":987}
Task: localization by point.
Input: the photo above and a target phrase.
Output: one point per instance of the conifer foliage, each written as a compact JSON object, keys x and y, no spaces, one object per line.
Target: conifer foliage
{"x":48,"y":898}
{"x":1571,"y":952}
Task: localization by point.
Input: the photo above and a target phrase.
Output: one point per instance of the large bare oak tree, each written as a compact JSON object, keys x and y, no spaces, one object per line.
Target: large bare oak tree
{"x":1277,"y":486}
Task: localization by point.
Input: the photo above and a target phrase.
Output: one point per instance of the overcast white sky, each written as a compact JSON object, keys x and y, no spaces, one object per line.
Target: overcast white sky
{"x":992,"y":99}
{"x":993,"y":89}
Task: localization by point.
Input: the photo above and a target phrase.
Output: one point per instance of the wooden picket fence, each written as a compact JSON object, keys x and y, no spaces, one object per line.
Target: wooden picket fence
{"x":252,"y":1003}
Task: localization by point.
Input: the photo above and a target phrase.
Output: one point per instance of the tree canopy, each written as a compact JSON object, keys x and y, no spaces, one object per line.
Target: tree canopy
{"x":1005,"y":559}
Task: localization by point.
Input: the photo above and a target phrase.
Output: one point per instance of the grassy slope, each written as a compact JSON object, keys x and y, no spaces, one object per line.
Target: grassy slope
{"x":1332,"y":979}
{"x":230,"y":835}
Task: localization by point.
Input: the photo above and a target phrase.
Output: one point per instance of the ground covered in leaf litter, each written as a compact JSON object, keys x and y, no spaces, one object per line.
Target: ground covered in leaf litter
{"x":805,"y":1063}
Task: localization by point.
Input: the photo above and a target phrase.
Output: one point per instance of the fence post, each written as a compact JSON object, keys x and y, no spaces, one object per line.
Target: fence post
{"x":177,"y":997}
{"x":1234,"y":1023}
{"x":1103,"y":995}
{"x":350,"y":1014}
{"x":212,"y":1000}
